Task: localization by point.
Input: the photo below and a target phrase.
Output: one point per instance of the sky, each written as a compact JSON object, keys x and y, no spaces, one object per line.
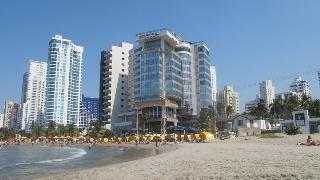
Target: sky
{"x":249,"y":40}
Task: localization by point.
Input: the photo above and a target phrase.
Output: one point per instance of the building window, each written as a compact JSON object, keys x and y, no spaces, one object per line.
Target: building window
{"x":122,"y":52}
{"x":121,"y":99}
{"x":122,"y":64}
{"x":122,"y":106}
{"x":122,"y":70}
{"x":122,"y":87}
{"x":122,"y":75}
{"x":122,"y":81}
{"x":122,"y":94}
{"x":122,"y":58}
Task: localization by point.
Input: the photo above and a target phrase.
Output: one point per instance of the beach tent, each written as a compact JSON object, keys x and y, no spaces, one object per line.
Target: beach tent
{"x":206,"y":136}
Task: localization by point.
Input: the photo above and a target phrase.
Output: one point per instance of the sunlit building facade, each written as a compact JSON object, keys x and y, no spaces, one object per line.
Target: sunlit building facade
{"x":33,"y":94}
{"x":64,"y":81}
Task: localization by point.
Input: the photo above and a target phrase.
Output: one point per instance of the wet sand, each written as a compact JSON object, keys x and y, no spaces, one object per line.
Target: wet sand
{"x":240,"y":158}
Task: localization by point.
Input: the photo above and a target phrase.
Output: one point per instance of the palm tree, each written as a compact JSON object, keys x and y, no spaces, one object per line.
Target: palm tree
{"x":144,"y":118}
{"x":60,"y":130}
{"x":203,"y":120}
{"x":221,"y":110}
{"x":277,"y":108}
{"x":51,"y":129}
{"x":71,"y":129}
{"x":305,"y":102}
{"x":260,"y":111}
{"x":211,"y":117}
{"x":314,"y":109}
{"x":34,"y":127}
{"x":291,"y":104}
{"x":229,"y":111}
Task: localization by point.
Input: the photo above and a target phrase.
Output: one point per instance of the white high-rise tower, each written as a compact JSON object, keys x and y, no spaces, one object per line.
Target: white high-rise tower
{"x":300,"y":86}
{"x":33,"y":94}
{"x":213,"y":84}
{"x":267,"y":92}
{"x":64,"y":81}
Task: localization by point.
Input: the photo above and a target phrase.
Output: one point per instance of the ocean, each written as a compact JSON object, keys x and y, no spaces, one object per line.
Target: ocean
{"x":27,"y":161}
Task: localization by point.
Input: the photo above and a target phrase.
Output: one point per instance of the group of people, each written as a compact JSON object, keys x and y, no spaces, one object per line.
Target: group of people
{"x":310,"y":142}
{"x":4,"y":145}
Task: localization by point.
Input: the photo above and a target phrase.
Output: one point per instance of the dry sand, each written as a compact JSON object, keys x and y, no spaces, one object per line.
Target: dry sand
{"x":240,"y":158}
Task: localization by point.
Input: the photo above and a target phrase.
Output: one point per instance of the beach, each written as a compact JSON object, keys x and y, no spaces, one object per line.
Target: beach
{"x":239,"y":158}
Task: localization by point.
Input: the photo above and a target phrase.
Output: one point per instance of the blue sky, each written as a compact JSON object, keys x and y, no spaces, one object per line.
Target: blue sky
{"x":250,"y":40}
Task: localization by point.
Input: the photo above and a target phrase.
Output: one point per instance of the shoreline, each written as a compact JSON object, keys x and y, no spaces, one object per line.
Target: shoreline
{"x":154,"y":151}
{"x":239,"y":158}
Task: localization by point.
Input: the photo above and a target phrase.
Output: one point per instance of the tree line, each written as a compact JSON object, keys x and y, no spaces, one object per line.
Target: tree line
{"x":59,"y":130}
{"x":283,"y":108}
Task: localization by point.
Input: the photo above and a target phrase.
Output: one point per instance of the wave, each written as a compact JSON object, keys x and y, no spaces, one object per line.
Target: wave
{"x":74,"y":155}
{"x":77,"y":153}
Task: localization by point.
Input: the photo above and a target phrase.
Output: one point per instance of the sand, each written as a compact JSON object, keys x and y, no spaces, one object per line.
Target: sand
{"x":240,"y":158}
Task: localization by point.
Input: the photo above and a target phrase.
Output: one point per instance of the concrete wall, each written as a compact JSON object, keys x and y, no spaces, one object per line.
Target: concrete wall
{"x":249,"y":132}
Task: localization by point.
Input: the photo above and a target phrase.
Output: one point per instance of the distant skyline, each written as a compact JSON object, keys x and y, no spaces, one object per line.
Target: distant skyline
{"x":250,"y":41}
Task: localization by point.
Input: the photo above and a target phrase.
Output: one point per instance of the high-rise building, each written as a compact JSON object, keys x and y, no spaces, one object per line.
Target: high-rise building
{"x":64,"y":81}
{"x":33,"y":94}
{"x":252,"y":104}
{"x":267,"y":92}
{"x":300,"y":86}
{"x":114,"y":83}
{"x":202,"y":65}
{"x":89,"y":111}
{"x":319,"y":77}
{"x":213,"y":85}
{"x":229,"y":98}
{"x":1,"y":120}
{"x":169,"y":74}
{"x":11,"y":113}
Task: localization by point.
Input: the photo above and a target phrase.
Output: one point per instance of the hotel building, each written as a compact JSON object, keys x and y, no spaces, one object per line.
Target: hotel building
{"x":229,"y":97}
{"x":169,"y":74}
{"x":300,"y":86}
{"x":64,"y":81}
{"x":213,"y":85}
{"x":89,"y":111}
{"x":1,"y":120}
{"x":33,"y":94}
{"x":113,"y":94}
{"x":267,"y":92}
{"x":11,"y":114}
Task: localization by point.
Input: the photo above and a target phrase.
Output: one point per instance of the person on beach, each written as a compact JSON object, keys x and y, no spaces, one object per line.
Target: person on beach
{"x":309,"y":142}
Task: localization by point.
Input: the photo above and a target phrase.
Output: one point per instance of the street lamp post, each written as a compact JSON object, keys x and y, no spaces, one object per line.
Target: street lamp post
{"x":137,"y":123}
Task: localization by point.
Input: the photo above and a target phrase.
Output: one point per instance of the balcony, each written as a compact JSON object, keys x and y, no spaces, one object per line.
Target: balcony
{"x":108,"y":78}
{"x":107,"y":91}
{"x":107,"y":72}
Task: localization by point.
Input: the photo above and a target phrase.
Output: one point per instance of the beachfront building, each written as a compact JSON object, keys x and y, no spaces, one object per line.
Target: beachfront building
{"x":213,"y":85}
{"x":33,"y":94}
{"x":319,"y":77}
{"x":11,"y":114}
{"x":252,"y":104}
{"x":267,"y":92}
{"x":1,"y":120}
{"x":229,"y":99}
{"x":64,"y":81}
{"x":114,"y":83}
{"x":89,"y":111}
{"x":169,"y":74}
{"x":300,"y":86}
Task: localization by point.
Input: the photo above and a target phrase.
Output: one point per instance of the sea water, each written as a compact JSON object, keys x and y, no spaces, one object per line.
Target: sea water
{"x":23,"y":161}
